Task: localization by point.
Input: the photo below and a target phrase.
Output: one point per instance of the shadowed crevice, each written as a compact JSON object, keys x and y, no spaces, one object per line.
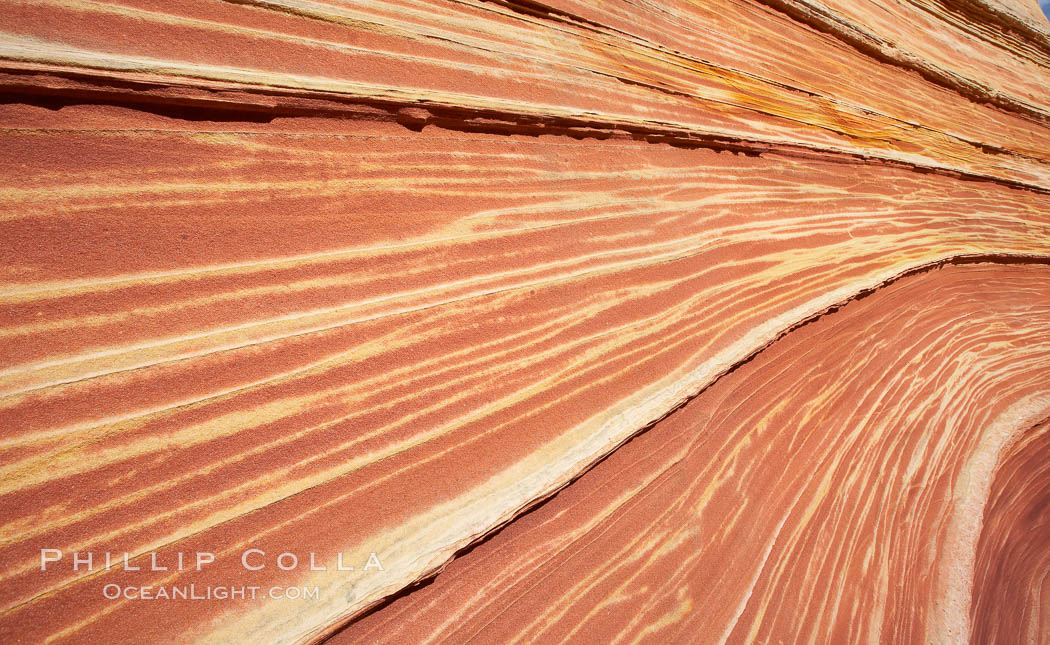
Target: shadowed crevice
{"x":262,"y":105}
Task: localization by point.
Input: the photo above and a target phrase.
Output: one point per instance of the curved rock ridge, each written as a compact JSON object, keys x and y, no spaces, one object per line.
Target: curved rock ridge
{"x":1011,"y":599}
{"x":807,"y":495}
{"x":377,"y":279}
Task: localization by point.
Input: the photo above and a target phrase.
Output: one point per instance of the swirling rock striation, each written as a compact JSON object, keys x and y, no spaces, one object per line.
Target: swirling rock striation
{"x":807,"y":495}
{"x":733,"y":316}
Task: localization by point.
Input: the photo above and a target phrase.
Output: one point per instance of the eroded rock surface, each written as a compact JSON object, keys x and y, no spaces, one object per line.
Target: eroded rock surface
{"x":758,"y":289}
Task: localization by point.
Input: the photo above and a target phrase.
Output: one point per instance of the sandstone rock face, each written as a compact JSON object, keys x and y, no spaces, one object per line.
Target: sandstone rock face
{"x":507,"y":321}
